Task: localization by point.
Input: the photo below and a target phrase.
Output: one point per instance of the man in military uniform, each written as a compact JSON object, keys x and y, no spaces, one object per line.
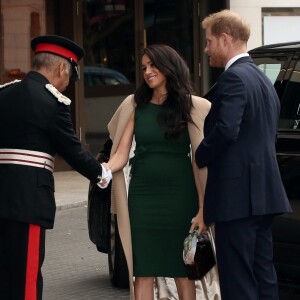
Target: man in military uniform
{"x":35,"y":125}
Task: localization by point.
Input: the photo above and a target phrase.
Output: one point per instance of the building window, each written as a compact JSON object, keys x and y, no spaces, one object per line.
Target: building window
{"x":171,"y":22}
{"x":108,"y":39}
{"x":275,"y":22}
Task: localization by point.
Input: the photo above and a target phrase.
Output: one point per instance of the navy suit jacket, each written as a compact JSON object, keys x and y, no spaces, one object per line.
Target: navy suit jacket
{"x":239,"y":147}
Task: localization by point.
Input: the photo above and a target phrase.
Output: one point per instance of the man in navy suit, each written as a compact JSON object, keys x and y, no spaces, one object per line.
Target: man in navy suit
{"x":244,"y":189}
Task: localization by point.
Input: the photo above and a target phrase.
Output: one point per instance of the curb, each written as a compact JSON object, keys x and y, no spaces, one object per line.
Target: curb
{"x":71,"y":205}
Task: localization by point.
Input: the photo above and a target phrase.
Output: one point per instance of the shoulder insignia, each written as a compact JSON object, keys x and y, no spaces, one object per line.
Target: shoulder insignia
{"x":56,"y":93}
{"x":9,"y":83}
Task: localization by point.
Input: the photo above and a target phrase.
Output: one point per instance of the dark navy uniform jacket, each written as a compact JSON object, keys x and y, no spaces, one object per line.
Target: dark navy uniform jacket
{"x":239,"y":147}
{"x":32,"y":118}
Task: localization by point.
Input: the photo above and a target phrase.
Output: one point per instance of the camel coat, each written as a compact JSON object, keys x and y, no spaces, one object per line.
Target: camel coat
{"x":119,"y":205}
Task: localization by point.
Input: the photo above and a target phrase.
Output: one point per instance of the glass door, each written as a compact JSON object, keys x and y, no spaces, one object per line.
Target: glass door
{"x":170,"y":22}
{"x":108,"y":33}
{"x":177,"y":23}
{"x":114,"y":33}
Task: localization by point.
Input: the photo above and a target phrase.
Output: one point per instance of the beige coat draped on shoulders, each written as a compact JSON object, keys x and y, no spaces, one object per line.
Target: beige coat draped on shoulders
{"x":119,"y":206}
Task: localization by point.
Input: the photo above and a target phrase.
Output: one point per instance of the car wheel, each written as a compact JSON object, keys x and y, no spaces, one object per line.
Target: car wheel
{"x":118,"y":270}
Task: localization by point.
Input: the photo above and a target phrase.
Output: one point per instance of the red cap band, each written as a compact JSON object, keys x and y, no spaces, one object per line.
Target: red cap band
{"x":45,"y":47}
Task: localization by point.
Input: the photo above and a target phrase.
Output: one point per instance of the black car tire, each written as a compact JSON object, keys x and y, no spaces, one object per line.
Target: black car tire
{"x":118,"y":270}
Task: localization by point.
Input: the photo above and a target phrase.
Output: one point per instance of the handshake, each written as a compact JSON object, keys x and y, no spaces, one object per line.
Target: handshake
{"x":106,"y":177}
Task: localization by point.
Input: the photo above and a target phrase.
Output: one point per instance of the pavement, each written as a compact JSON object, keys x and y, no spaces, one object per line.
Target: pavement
{"x":73,"y":268}
{"x":71,"y":189}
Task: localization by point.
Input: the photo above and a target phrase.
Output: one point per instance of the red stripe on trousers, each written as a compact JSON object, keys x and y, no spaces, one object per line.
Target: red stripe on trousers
{"x":33,"y":257}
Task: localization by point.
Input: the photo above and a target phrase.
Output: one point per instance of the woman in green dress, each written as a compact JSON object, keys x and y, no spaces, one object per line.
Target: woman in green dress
{"x":165,"y":198}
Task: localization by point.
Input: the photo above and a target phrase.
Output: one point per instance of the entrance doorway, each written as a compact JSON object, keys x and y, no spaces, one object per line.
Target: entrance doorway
{"x":114,"y":35}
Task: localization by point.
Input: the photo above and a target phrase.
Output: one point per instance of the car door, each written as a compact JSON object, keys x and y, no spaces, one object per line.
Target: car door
{"x":283,"y":69}
{"x":287,"y":227}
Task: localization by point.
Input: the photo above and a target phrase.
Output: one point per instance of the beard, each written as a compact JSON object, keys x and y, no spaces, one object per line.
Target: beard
{"x":216,"y":60}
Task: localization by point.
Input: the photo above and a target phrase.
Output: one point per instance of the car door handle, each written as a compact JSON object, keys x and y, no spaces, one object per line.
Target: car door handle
{"x":287,"y":154}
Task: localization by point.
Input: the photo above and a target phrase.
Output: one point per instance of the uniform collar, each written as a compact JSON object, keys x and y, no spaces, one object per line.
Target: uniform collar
{"x":38,"y":77}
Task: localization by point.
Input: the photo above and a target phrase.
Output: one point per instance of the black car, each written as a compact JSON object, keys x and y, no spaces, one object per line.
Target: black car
{"x":281,"y":63}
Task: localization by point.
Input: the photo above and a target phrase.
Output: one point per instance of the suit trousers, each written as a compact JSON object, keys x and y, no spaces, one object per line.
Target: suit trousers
{"x":244,"y":250}
{"x":22,"y":252}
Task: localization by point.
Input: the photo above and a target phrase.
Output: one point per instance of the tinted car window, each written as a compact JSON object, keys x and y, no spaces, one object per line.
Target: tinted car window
{"x":273,"y":67}
{"x":288,"y":88}
{"x":290,"y":103}
{"x":271,"y":70}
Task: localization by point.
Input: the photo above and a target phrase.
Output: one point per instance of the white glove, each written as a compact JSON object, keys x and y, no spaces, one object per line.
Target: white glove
{"x":105,"y":178}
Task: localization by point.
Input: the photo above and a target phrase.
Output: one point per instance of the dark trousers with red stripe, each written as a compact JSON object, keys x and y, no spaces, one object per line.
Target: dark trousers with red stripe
{"x":22,"y":252}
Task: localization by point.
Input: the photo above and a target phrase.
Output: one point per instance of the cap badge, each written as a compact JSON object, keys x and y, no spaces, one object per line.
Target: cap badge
{"x":56,"y":93}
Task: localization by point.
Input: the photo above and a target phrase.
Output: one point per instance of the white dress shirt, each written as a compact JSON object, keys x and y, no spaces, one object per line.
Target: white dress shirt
{"x":233,"y":59}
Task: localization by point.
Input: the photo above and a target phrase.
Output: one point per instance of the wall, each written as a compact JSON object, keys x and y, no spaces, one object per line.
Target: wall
{"x":17,"y":31}
{"x":251,"y":11}
{"x":98,"y":112}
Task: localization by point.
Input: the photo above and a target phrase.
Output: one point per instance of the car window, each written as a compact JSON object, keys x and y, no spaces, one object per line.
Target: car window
{"x":288,"y":90}
{"x":290,"y":102}
{"x":271,"y":70}
{"x":272,"y":66}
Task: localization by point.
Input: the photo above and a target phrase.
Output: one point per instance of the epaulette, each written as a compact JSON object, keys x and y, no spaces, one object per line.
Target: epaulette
{"x":9,"y":83}
{"x":57,"y":94}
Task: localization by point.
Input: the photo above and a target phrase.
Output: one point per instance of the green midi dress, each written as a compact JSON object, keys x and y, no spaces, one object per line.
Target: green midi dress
{"x":162,"y":197}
